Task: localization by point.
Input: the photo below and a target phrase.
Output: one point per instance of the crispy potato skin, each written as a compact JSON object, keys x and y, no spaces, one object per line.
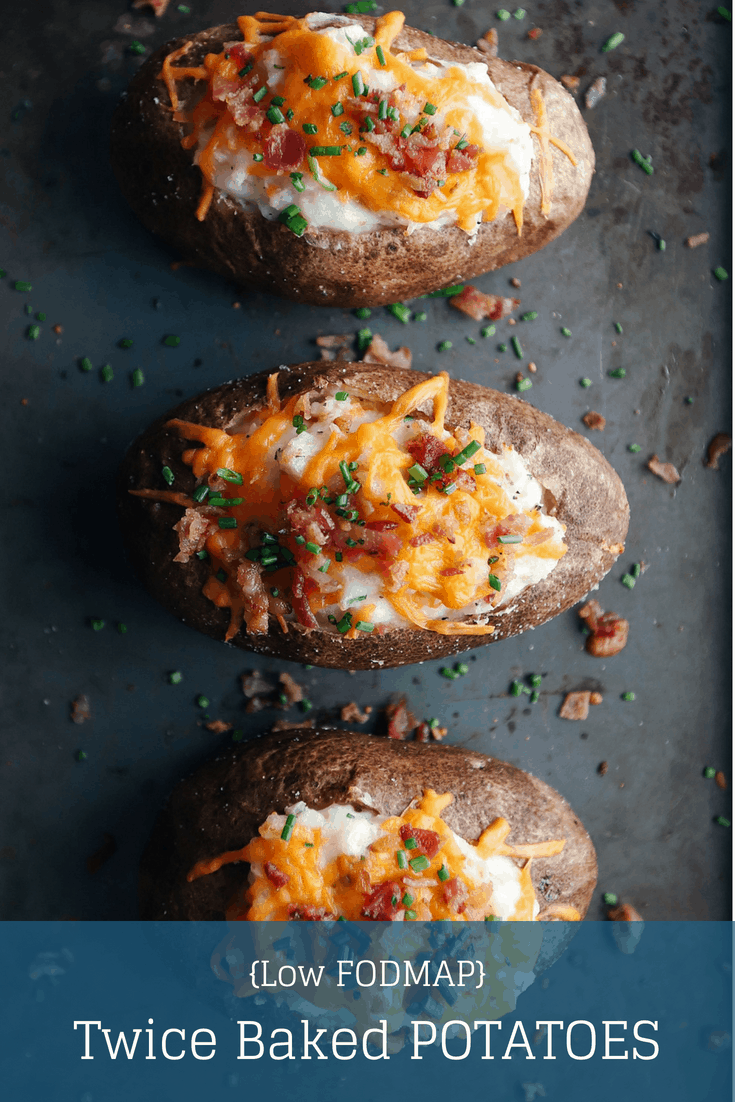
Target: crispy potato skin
{"x":329,"y":267}
{"x":583,"y":491}
{"x":221,"y":806}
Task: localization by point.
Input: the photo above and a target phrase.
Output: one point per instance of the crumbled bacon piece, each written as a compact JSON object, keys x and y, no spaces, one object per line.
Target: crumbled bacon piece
{"x":383,"y":902}
{"x":335,"y":346}
{"x":667,"y":472}
{"x":158,"y":6}
{"x":80,"y":709}
{"x":407,"y":512}
{"x":275,"y":875}
{"x":422,"y":540}
{"x":350,"y":713}
{"x":489,"y":43}
{"x":721,"y":780}
{"x":697,"y":239}
{"x":290,"y":725}
{"x":571,"y":83}
{"x":477,"y":305}
{"x":455,"y":894}
{"x":595,"y":699}
{"x":624,"y":912}
{"x":381,"y":525}
{"x":575,"y":706}
{"x":193,"y":530}
{"x":595,"y":92}
{"x":594,"y":420}
{"x":251,"y":586}
{"x":254,"y":684}
{"x":218,"y":726}
{"x":534,"y":33}
{"x":302,"y":912}
{"x":299,"y":602}
{"x":719,"y":445}
{"x":451,"y":572}
{"x":291,"y":689}
{"x":378,"y":352}
{"x":609,"y":632}
{"x":400,"y":721}
{"x":427,"y":841}
{"x":602,"y":768}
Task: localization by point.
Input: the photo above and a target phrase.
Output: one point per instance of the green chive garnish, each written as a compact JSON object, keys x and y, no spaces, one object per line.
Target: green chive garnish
{"x":288,"y":828}
{"x":325,"y":150}
{"x":618,"y":373}
{"x":227,"y":522}
{"x":136,"y":47}
{"x":380,"y":54}
{"x":358,"y":83}
{"x":628,"y":696}
{"x":33,"y":332}
{"x":97,"y":625}
{"x":341,"y":396}
{"x":175,"y":677}
{"x":22,"y":285}
{"x":137,"y":378}
{"x":202,"y":701}
{"x":642,"y":162}
{"x":172,"y":341}
{"x":275,"y":115}
{"x":200,"y":493}
{"x":613,"y":42}
{"x":418,"y":864}
{"x":530,"y":316}
{"x":502,"y":14}
{"x":337,"y":109}
{"x":345,"y":623}
{"x":480,"y":468}
{"x":635,"y":448}
{"x":257,"y":157}
{"x":168,"y":476}
{"x":407,"y":899}
{"x":513,"y":538}
{"x":310,"y":128}
{"x":523,"y":384}
{"x":443,"y":873}
{"x":585,"y":382}
{"x":722,"y":821}
{"x":126,"y":342}
{"x":628,"y":581}
{"x":420,"y":316}
{"x":417,"y":473}
{"x":403,"y":860}
{"x":565,"y":332}
{"x":398,"y":310}
{"x":494,"y":582}
{"x":443,"y":346}
{"x":364,"y":625}
{"x":721,"y":274}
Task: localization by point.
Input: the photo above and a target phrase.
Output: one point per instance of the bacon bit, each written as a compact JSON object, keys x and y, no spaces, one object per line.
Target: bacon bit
{"x":439,"y":733}
{"x":451,"y":572}
{"x":602,"y":768}
{"x":107,"y":850}
{"x":667,"y":472}
{"x":80,"y":709}
{"x":254,"y":684}
{"x":397,"y":573}
{"x":595,"y":93}
{"x":218,"y":726}
{"x":275,"y":875}
{"x":158,"y":6}
{"x":423,"y":732}
{"x":489,"y":43}
{"x":571,"y":83}
{"x":299,"y":601}
{"x":350,"y":713}
{"x":534,"y":33}
{"x":252,"y":588}
{"x":624,"y":912}
{"x":380,"y":905}
{"x":595,"y":698}
{"x":290,"y":725}
{"x":477,"y":305}
{"x":697,"y":239}
{"x":335,"y":346}
{"x":455,"y":894}
{"x":300,"y":912}
{"x":57,"y":329}
{"x":609,"y":631}
{"x":407,"y":512}
{"x":515,"y":282}
{"x":427,"y":841}
{"x":291,"y":690}
{"x":594,"y":420}
{"x":378,"y":352}
{"x":381,"y":525}
{"x":719,"y":445}
{"x":193,"y":529}
{"x":422,"y":540}
{"x":721,"y":780}
{"x":284,"y":148}
{"x":400,"y":721}
{"x":532,"y":368}
{"x":575,"y":706}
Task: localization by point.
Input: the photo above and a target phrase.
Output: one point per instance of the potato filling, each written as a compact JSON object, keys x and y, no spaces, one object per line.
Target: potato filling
{"x":319,"y":123}
{"x":335,"y":512}
{"x":343,"y":863}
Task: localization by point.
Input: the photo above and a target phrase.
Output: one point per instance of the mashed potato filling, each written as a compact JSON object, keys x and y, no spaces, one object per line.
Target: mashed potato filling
{"x":318,"y":124}
{"x":337,"y":512}
{"x":344,"y":863}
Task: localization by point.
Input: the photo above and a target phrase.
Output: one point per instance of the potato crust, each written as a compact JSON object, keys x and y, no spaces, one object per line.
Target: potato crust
{"x":222,"y":804}
{"x":582,"y":491}
{"x":331,"y":267}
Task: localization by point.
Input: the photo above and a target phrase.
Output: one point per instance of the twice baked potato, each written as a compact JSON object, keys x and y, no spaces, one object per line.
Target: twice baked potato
{"x":379,"y":829}
{"x":357,"y":517}
{"x":346,"y":160}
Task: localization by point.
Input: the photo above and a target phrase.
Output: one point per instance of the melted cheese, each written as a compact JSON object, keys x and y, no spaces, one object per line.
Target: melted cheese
{"x":333,"y":859}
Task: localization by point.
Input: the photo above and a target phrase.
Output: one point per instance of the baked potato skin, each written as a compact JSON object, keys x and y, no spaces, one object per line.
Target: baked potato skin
{"x":221,"y":806}
{"x":583,"y":491}
{"x":329,"y":267}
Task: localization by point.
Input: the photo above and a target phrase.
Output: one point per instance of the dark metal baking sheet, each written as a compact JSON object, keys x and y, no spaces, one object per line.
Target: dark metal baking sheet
{"x":98,"y":274}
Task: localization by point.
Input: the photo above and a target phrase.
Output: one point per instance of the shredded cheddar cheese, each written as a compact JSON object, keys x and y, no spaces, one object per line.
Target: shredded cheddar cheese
{"x":336,"y":512}
{"x":414,"y":868}
{"x":403,"y":132}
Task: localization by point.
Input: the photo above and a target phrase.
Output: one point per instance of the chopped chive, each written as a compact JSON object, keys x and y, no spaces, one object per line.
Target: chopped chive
{"x":628,"y":696}
{"x":22,"y":285}
{"x":137,"y":378}
{"x":346,"y":128}
{"x":451,"y":675}
{"x":81,"y":755}
{"x":443,"y":346}
{"x":642,"y":162}
{"x":618,"y":373}
{"x":516,"y":688}
{"x":345,"y":623}
{"x":502,"y":348}
{"x":420,"y":316}
{"x":380,"y":54}
{"x":502,"y":14}
{"x":136,"y":47}
{"x":618,"y":327}
{"x":721,"y":274}
{"x":636,"y":570}
{"x":722,"y":821}
{"x":585,"y":382}
{"x":398,"y":310}
{"x":725,"y":13}
{"x":297,"y":180}
{"x":710,"y":772}
{"x":462,"y":668}
{"x":535,"y":679}
{"x":278,"y":101}
{"x":411,"y":843}
{"x":361,"y":7}
{"x":288,"y":828}
{"x":325,"y":150}
{"x":358,"y":84}
{"x":365,"y":625}
{"x":168,"y":476}
{"x":467,"y":452}
{"x":337,"y":109}
{"x":172,"y":341}
{"x":418,"y":864}
{"x":480,"y":468}
{"x":340,"y":75}
{"x":368,"y":125}
{"x":338,"y":556}
{"x":361,"y":151}
{"x":33,"y":332}
{"x":628,"y":581}
{"x":310,"y":128}
{"x":513,"y":538}
{"x":635,"y":448}
{"x":531,"y":315}
{"x":257,"y":157}
{"x":227,"y":522}
{"x":126,"y":342}
{"x":200,"y":493}
{"x":449,"y":489}
{"x":519,"y":14}
{"x":202,"y":701}
{"x":122,"y":628}
{"x":261,"y":93}
{"x":341,"y":396}
{"x":661,"y":245}
{"x":610,"y":899}
{"x":524,"y":384}
{"x":383,"y":171}
{"x":407,"y":900}
{"x":383,"y":109}
{"x":40,"y":316}
{"x":443,"y":873}
{"x":175,"y":677}
{"x":406,"y":130}
{"x":534,"y":698}
{"x":364,"y":338}
{"x":245,"y":69}
{"x":447,"y":292}
{"x":565,"y":332}
{"x":494,"y":582}
{"x":417,"y":473}
{"x":363,"y":312}
{"x":306,"y":705}
{"x":613,"y":42}
{"x":470,"y":340}
{"x":487,"y":331}
{"x":313,"y":547}
{"x":275,"y":115}
{"x":97,"y":625}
